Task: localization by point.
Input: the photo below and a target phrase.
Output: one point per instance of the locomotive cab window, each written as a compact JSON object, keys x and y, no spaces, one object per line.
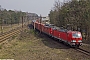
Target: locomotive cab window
{"x":76,"y":35}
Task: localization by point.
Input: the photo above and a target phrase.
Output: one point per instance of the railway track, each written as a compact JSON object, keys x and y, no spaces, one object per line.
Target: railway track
{"x":8,"y":32}
{"x":11,"y":33}
{"x":83,"y":51}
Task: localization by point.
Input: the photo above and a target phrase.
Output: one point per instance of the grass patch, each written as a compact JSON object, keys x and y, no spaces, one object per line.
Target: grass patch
{"x":35,"y":46}
{"x":32,"y":31}
{"x":0,"y":46}
{"x":13,"y":37}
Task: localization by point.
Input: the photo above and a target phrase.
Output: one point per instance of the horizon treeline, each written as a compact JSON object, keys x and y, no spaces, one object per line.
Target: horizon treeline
{"x":10,"y":16}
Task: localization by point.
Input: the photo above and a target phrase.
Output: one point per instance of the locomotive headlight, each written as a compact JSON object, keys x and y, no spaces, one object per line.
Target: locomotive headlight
{"x":73,"y":41}
{"x":79,"y":35}
{"x":79,"y":41}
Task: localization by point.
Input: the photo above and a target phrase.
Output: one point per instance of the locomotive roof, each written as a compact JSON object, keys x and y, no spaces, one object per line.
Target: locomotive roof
{"x":63,"y":30}
{"x":49,"y":25}
{"x":73,"y":31}
{"x":60,"y":29}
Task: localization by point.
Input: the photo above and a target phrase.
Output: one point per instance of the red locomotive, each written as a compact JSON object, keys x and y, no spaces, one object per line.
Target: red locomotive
{"x":73,"y":38}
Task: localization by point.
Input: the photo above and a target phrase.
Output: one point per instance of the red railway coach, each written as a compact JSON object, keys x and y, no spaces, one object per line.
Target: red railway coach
{"x":60,"y":34}
{"x":63,"y":35}
{"x":55,"y":33}
{"x":39,"y":26}
{"x":42,"y":27}
{"x":46,"y":29}
{"x":73,"y":38}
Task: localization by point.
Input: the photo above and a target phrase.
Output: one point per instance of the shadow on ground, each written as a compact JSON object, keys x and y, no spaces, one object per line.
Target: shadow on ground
{"x":53,"y":43}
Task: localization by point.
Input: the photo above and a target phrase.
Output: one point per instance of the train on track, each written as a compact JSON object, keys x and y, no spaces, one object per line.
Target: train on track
{"x":72,"y":38}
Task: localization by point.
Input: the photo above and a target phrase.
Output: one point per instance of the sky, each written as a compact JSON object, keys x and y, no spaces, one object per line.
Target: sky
{"x":42,"y":7}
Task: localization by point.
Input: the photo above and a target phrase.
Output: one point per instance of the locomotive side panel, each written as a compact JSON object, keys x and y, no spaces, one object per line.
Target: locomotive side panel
{"x":63,"y":36}
{"x":55,"y":33}
{"x":46,"y":30}
{"x":50,"y":31}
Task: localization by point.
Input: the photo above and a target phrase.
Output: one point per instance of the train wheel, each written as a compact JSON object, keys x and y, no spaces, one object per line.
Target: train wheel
{"x":60,"y":40}
{"x":77,"y":46}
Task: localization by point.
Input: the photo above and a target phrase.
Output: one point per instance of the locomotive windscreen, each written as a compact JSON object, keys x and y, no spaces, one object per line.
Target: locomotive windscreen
{"x":76,"y":35}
